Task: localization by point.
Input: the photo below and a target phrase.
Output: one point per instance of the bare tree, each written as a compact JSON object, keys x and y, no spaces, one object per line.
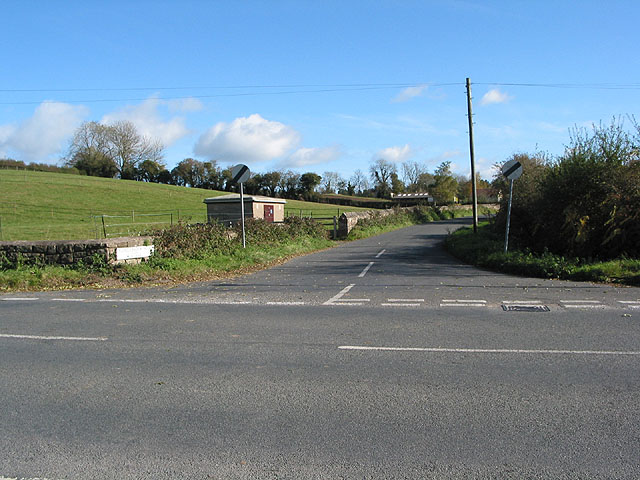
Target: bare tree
{"x":128,"y":148}
{"x":331,"y":182}
{"x":381,"y":171}
{"x":119,"y":146}
{"x":359,"y":181}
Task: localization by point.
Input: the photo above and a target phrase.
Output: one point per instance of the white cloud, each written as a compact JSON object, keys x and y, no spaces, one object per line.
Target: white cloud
{"x":149,"y":122}
{"x":44,"y":134}
{"x":185,"y":105}
{"x":495,"y":96}
{"x":304,"y":157}
{"x":394,"y":154}
{"x":247,"y":139}
{"x":409,"y":93}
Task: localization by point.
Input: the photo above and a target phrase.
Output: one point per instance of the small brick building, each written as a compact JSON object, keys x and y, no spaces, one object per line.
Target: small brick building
{"x":226,"y":208}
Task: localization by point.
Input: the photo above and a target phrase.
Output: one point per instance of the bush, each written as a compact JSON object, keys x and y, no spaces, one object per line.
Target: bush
{"x":585,"y":204}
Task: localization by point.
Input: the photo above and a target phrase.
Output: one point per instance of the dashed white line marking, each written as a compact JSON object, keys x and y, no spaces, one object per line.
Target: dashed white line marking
{"x":582,"y":304}
{"x":67,"y":299}
{"x":521,"y":302}
{"x":380,"y":253}
{"x":366,"y":269}
{"x":19,"y":299}
{"x":490,"y":350}
{"x":463,"y":303}
{"x":408,"y":300}
{"x":630,"y":304}
{"x":342,"y":292}
{"x":45,"y":337}
{"x":285,"y":303}
{"x":397,"y":304}
{"x":580,"y":301}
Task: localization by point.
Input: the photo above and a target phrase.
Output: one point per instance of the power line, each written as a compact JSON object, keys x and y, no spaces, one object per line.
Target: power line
{"x":329,"y":89}
{"x":306,"y":89}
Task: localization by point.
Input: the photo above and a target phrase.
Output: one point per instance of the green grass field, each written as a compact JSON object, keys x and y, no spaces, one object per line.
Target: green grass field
{"x":55,"y":206}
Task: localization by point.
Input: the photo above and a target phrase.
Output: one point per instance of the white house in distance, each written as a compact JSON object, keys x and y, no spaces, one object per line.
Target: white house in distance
{"x":226,"y":208}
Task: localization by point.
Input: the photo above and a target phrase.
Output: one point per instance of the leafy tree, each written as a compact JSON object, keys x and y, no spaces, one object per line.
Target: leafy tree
{"x":271,"y":183}
{"x":397,"y":186}
{"x":445,"y":186}
{"x":308,"y":183}
{"x":149,"y":171}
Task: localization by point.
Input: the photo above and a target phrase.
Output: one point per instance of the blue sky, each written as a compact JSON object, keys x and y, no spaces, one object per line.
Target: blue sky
{"x":316,"y":85}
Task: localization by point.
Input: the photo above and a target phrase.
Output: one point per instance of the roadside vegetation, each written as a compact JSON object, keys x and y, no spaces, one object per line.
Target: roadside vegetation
{"x":574,"y":217}
{"x":184,"y":253}
{"x":199,"y":252}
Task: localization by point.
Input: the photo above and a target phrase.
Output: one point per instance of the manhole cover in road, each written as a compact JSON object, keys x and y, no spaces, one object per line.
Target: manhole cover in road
{"x":525,"y":308}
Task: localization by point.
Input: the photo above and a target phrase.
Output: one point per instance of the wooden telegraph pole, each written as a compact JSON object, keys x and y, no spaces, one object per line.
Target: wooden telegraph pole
{"x":474,"y":190}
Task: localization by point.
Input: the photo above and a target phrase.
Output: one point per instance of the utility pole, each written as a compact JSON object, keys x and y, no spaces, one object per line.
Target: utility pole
{"x":474,"y":191}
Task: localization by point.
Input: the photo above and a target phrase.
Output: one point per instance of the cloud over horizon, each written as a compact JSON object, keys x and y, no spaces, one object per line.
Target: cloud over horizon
{"x":246,"y":139}
{"x":304,"y":157}
{"x":44,"y":134}
{"x":394,"y":154}
{"x":409,"y":93}
{"x":148,"y":120}
{"x":495,"y":96}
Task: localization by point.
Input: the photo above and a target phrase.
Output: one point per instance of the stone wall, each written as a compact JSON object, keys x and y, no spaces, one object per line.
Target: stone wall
{"x":348,"y":220}
{"x":67,"y":252}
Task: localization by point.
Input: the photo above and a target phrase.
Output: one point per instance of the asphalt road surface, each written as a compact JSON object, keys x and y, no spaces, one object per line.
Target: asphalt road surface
{"x":382,"y":358}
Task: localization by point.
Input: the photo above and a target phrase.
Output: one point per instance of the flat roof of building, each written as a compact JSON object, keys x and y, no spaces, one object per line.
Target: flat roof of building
{"x":235,"y":197}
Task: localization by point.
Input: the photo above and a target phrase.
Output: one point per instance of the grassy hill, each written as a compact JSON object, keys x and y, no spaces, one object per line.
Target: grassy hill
{"x":55,"y":206}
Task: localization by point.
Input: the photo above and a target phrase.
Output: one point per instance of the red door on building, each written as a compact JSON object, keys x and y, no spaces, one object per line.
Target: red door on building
{"x":268,"y":213}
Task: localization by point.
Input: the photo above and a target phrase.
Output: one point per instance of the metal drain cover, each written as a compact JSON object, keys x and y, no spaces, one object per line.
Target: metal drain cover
{"x":525,"y":308}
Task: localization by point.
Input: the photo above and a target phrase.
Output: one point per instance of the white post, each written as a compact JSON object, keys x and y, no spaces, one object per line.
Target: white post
{"x":244,"y":242}
{"x":506,"y":235}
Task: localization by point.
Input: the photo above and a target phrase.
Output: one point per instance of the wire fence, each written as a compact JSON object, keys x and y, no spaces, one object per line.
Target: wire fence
{"x":53,"y":224}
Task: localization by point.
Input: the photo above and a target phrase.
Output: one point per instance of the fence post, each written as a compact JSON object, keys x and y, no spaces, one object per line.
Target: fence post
{"x":104,"y":229}
{"x":172,"y":217}
{"x":133,"y":216}
{"x":335,"y":227}
{"x":0,"y":228}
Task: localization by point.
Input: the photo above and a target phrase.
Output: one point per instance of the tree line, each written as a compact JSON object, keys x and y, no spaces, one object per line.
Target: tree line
{"x":118,"y":150}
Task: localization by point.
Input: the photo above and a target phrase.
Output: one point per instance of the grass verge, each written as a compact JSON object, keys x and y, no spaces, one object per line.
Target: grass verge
{"x":485,"y":249}
{"x":200,"y":252}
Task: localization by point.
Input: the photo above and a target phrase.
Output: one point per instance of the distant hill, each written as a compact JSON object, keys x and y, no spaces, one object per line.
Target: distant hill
{"x":55,"y":206}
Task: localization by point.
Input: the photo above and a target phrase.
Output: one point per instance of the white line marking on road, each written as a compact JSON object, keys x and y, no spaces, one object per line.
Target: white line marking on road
{"x":463,"y":303}
{"x":582,"y":304}
{"x":409,"y":300}
{"x":285,"y":303}
{"x":490,"y":350}
{"x":380,"y":253}
{"x":521,"y":302}
{"x":342,"y":292}
{"x":580,"y":301}
{"x":19,"y":299}
{"x":366,"y":269}
{"x":44,"y":337}
{"x":67,"y":299}
{"x":630,"y":302}
{"x":340,"y":302}
{"x":397,"y":304}
{"x":355,"y":300}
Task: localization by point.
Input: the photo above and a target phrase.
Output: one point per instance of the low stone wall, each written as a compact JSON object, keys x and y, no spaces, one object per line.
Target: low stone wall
{"x":67,"y":252}
{"x":348,"y":220}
